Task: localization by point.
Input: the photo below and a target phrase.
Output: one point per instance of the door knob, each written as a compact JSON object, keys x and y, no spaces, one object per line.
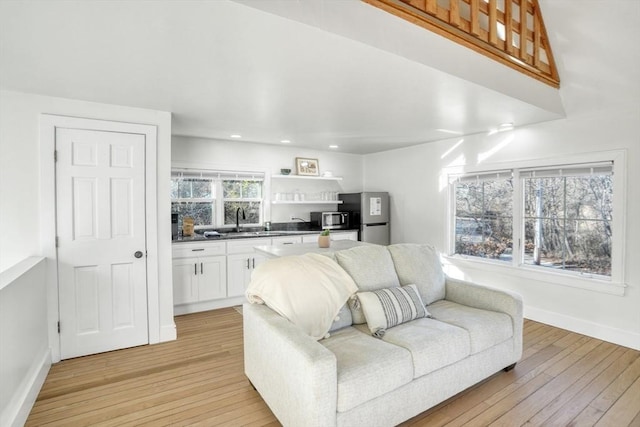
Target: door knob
{"x":138,"y":254}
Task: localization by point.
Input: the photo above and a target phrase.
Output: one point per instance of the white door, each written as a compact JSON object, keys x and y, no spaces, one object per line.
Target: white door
{"x":100,"y":211}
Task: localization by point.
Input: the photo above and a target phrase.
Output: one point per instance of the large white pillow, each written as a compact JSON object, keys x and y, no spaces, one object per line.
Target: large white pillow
{"x":309,"y":290}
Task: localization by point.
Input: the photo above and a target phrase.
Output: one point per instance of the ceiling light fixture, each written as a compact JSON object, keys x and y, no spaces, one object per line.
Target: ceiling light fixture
{"x":285,"y":141}
{"x":235,"y":135}
{"x":506,"y":125}
{"x":333,"y":146}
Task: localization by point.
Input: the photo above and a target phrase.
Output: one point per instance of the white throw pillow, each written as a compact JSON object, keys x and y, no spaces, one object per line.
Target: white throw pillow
{"x":309,"y":290}
{"x":386,"y":308}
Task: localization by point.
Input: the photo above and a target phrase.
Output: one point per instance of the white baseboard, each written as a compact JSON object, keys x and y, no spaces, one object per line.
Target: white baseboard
{"x":208,"y":305}
{"x":18,"y":409}
{"x":584,"y":327}
{"x":168,"y":333}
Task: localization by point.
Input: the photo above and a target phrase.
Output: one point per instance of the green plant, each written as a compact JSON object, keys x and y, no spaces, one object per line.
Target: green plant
{"x":324,"y":233}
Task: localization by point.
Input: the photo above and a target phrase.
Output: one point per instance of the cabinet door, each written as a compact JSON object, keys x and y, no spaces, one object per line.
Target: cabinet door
{"x":345,"y":236}
{"x":212,"y":278}
{"x":286,"y":240}
{"x":239,"y":267}
{"x":310,"y":238}
{"x":185,"y":280}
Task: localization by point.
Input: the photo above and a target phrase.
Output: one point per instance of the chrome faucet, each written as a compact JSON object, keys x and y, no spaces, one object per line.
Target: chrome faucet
{"x":238,"y":218}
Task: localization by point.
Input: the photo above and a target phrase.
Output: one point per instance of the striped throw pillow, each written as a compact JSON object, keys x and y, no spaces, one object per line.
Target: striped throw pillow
{"x":386,"y":308}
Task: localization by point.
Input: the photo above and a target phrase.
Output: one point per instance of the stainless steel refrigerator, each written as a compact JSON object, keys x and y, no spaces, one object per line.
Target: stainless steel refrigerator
{"x":369,"y":213}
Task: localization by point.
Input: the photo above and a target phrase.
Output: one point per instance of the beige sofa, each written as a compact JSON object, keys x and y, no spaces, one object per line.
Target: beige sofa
{"x":353,"y":378}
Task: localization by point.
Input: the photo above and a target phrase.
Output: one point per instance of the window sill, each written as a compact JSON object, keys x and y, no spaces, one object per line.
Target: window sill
{"x":534,"y":274}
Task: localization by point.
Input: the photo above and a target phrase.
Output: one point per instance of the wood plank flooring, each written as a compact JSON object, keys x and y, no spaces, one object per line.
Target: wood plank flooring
{"x":563,"y":379}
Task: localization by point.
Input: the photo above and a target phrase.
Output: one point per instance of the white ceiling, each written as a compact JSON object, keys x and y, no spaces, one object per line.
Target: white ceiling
{"x":316,"y":72}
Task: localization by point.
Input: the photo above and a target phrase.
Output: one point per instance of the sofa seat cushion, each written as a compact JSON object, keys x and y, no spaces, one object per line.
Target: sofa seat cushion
{"x":367,"y":367}
{"x":486,"y":328}
{"x":433,"y":344}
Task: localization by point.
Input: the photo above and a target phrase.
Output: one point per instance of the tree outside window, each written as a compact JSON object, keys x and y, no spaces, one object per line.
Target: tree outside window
{"x":483,"y":218}
{"x":242,"y":194}
{"x":567,"y":222}
{"x":194,"y":198}
{"x":197,"y":194}
{"x":564,"y":217}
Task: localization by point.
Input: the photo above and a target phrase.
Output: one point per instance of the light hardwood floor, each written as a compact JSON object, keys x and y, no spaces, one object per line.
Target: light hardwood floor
{"x":563,"y":379}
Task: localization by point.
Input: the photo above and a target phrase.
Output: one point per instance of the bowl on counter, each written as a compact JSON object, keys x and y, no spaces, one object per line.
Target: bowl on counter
{"x":285,"y":171}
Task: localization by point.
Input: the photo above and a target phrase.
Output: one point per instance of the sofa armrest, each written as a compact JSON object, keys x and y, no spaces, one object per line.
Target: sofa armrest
{"x":294,"y":374}
{"x":483,"y":297}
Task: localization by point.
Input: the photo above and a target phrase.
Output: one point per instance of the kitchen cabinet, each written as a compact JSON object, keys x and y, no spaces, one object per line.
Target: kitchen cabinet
{"x":241,"y":261}
{"x":348,"y":235}
{"x":335,"y":235}
{"x":286,"y":240}
{"x":199,"y":273}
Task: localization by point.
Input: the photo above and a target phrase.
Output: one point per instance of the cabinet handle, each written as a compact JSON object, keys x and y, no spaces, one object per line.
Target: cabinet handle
{"x":247,"y":263}
{"x":254,"y":262}
{"x":288,"y":243}
{"x":197,"y":250}
{"x":195,"y":268}
{"x":201,"y":269}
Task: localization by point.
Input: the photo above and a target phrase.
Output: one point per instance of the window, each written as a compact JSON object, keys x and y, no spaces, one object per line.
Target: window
{"x":558,"y":218}
{"x":567,"y":218}
{"x":212,"y":198}
{"x":242,"y":194}
{"x":483,"y":216}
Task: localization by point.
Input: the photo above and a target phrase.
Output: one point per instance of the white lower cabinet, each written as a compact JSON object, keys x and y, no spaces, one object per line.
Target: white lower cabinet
{"x":335,"y":235}
{"x":347,"y":235}
{"x":209,"y":275}
{"x":199,"y":273}
{"x":241,"y":261}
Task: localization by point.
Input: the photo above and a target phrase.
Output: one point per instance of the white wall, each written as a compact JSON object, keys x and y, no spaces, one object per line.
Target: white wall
{"x":20,"y":177}
{"x":231,"y":155}
{"x":413,"y":177}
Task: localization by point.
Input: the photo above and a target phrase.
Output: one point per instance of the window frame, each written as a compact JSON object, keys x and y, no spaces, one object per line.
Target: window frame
{"x":217,"y":176}
{"x":614,"y":284}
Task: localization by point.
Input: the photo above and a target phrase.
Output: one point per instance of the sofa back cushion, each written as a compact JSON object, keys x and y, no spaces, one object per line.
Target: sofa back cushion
{"x":371,"y":267}
{"x":419,"y":264}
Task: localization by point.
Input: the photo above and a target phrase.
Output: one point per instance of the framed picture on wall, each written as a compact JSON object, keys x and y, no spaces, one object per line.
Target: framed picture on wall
{"x":307,"y":166}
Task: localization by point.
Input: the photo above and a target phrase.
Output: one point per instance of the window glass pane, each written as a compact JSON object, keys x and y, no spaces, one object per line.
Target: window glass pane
{"x":232,"y":189}
{"x":201,"y":188}
{"x":483,"y":223}
{"x":242,"y":189}
{"x":544,"y":197}
{"x":201,"y":212}
{"x":251,"y":210}
{"x":590,"y":197}
{"x":568,"y":223}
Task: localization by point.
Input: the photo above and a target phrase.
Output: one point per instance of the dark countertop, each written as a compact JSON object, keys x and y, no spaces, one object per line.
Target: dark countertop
{"x":231,"y":235}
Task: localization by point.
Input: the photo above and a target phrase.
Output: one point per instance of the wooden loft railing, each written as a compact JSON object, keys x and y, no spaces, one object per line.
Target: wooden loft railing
{"x":503,"y":30}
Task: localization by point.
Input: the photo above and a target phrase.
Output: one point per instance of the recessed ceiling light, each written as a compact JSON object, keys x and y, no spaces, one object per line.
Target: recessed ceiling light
{"x":235,"y":135}
{"x":333,"y":146}
{"x":506,"y":125}
{"x":285,"y":141}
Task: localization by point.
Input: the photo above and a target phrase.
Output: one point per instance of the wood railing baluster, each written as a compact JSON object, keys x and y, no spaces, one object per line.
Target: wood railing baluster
{"x":450,"y":18}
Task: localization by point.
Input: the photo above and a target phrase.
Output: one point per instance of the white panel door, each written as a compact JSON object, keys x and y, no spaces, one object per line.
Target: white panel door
{"x":100,"y":208}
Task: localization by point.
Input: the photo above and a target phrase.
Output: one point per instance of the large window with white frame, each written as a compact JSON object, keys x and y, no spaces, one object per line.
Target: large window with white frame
{"x":561,"y":218}
{"x":212,"y":198}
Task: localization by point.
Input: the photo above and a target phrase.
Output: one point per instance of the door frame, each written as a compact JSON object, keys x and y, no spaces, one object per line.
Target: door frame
{"x":48,"y":125}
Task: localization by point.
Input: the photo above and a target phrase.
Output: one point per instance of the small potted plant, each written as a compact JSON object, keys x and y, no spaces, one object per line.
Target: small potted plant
{"x":324,"y":240}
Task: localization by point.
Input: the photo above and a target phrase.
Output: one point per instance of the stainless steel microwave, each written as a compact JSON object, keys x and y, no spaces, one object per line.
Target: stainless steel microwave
{"x":330,"y":220}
